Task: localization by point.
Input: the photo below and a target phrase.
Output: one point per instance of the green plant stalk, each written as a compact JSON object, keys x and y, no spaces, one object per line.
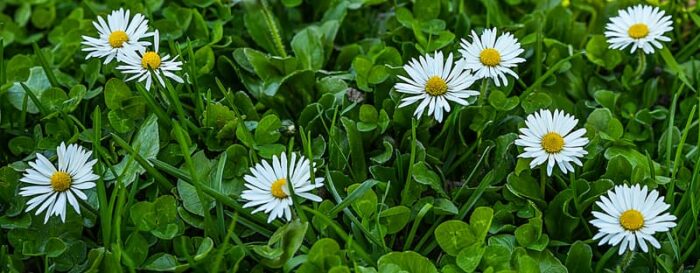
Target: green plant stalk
{"x":414,"y":228}
{"x":214,"y":194}
{"x":198,"y":103}
{"x":543,"y":180}
{"x":677,"y":159}
{"x":538,"y":49}
{"x":641,"y":64}
{"x":218,"y":179}
{"x":626,"y":261}
{"x":184,"y":148}
{"x":465,"y":207}
{"x":272,"y":28}
{"x":105,"y":219}
{"x":45,"y":65}
{"x":549,"y":72}
{"x":117,"y":223}
{"x":347,"y":212}
{"x":577,"y":204}
{"x":160,"y":113}
{"x":669,"y":144}
{"x":412,"y":160}
{"x":162,"y":180}
{"x":343,"y":235}
{"x":3,"y":72}
{"x":224,"y":245}
{"x":34,"y":99}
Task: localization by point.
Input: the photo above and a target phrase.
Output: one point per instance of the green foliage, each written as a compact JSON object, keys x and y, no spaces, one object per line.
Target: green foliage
{"x":317,"y":78}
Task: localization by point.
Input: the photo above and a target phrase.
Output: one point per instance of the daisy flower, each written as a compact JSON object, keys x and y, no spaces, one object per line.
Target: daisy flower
{"x":141,"y":62}
{"x":118,"y":35}
{"x":434,"y":82}
{"x":548,"y":137}
{"x":269,"y":186}
{"x":53,"y":188}
{"x":640,"y":26}
{"x":631,"y":216}
{"x":492,"y":57}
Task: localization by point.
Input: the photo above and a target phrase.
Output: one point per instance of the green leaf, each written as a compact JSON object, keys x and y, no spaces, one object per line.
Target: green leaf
{"x":290,"y":238}
{"x":500,"y":102}
{"x":308,"y":49}
{"x":408,"y":261}
{"x":578,"y":259}
{"x":480,"y":222}
{"x":116,"y":92}
{"x":469,"y":258}
{"x":146,"y":143}
{"x":454,"y":235}
{"x":136,"y":249}
{"x":395,"y":218}
{"x":37,"y":83}
{"x":425,"y":176}
{"x":598,"y":52}
{"x":366,"y":204}
{"x":268,"y":130}
{"x":602,"y":121}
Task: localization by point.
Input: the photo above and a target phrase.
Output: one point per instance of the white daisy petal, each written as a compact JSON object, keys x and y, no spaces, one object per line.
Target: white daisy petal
{"x":55,"y":190}
{"x":268,"y":185}
{"x":632,"y":225}
{"x":117,"y":36}
{"x":492,"y":57}
{"x":433,"y":81}
{"x":545,"y":140}
{"x":139,"y":64}
{"x":639,"y":26}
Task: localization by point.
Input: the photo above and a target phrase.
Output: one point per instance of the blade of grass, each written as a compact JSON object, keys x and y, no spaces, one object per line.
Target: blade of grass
{"x":185,"y":150}
{"x":105,"y":219}
{"x":34,"y":99}
{"x":343,"y":235}
{"x":162,"y":180}
{"x":45,"y":65}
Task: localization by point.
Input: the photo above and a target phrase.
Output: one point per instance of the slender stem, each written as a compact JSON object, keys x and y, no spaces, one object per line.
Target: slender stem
{"x":626,"y":261}
{"x":543,"y":180}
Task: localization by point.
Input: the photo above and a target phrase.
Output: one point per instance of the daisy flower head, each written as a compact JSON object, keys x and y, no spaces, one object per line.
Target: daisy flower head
{"x":630,"y":217}
{"x":549,"y":137}
{"x":268,"y":188}
{"x":641,"y":26}
{"x":140,"y":63}
{"x":434,"y":82}
{"x":118,"y":35}
{"x":492,"y":57}
{"x":53,"y":188}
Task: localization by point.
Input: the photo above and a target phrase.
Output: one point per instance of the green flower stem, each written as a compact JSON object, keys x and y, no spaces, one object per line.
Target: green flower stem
{"x":641,"y":64}
{"x":412,"y":160}
{"x":626,"y":261}
{"x":185,"y":149}
{"x":105,"y":219}
{"x":416,"y":223}
{"x":577,"y":204}
{"x":343,"y":235}
{"x":543,"y":180}
{"x":274,"y":32}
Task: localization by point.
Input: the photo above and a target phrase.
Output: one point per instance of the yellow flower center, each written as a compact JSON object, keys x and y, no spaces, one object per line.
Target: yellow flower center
{"x":150,"y":60}
{"x":490,"y":57}
{"x":117,"y":38}
{"x":638,"y":31}
{"x":552,"y":142}
{"x":632,"y":220}
{"x":61,"y":181}
{"x":436,"y":86}
{"x":277,"y":190}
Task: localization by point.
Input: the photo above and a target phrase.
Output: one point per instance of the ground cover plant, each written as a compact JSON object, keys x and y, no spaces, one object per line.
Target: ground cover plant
{"x":349,"y":136}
